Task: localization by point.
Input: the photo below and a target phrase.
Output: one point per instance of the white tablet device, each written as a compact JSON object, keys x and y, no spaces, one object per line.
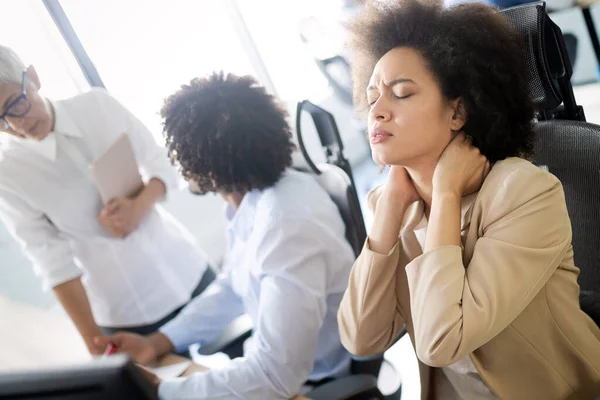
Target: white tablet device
{"x":116,"y":171}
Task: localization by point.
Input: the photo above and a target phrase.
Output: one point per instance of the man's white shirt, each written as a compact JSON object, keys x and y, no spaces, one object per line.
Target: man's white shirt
{"x":287,"y":266}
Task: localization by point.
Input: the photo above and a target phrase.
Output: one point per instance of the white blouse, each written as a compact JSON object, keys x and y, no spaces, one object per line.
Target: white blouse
{"x":50,"y":205}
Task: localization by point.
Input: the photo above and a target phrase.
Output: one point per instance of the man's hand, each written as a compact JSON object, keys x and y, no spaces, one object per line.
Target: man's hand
{"x":142,"y":349}
{"x":121,"y":216}
{"x":138,"y":347}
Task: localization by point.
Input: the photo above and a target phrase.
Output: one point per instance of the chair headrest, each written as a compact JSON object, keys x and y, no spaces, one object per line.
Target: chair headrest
{"x":544,"y":56}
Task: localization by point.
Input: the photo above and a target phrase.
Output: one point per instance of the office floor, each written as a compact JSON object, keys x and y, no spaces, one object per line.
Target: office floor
{"x":17,"y":281}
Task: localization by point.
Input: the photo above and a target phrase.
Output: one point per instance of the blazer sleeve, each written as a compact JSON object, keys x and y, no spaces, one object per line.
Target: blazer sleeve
{"x":369,"y":317}
{"x":526,"y":234}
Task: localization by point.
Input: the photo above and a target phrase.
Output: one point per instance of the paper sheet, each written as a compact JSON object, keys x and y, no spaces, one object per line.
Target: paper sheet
{"x":171,"y":371}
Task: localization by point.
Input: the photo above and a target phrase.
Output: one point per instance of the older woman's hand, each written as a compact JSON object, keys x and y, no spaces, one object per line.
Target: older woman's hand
{"x":461,"y":168}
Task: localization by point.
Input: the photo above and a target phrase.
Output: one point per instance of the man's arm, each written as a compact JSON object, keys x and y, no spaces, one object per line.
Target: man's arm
{"x":201,"y":321}
{"x":204,"y":318}
{"x":292,"y":307}
{"x":74,"y":300}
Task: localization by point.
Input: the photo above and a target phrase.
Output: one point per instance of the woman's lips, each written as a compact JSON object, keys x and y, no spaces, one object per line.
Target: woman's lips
{"x":379,"y":136}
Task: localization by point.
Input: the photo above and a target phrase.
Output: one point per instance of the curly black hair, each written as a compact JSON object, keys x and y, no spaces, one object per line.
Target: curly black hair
{"x":473,"y":52}
{"x":227,"y":134}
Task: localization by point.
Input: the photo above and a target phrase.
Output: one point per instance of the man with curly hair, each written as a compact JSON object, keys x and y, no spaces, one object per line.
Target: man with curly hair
{"x":287,"y":264}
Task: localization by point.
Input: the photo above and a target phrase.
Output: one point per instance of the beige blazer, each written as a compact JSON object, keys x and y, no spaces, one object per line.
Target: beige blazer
{"x":508,"y":298}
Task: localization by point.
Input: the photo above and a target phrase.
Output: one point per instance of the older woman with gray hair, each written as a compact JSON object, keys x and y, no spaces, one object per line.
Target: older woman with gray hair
{"x":126,"y":264}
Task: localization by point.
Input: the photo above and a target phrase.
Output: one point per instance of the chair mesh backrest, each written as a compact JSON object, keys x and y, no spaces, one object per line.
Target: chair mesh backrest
{"x":571,"y":151}
{"x":530,"y":20}
{"x":339,"y":187}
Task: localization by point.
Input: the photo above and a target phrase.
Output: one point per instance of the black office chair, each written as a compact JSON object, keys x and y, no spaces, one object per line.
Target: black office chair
{"x":566,"y":145}
{"x":336,"y":175}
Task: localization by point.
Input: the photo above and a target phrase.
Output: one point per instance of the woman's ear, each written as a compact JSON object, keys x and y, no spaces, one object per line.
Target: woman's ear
{"x":459,"y":117}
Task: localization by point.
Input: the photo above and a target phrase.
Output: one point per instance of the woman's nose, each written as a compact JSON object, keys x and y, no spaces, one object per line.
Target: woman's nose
{"x":379,"y":112}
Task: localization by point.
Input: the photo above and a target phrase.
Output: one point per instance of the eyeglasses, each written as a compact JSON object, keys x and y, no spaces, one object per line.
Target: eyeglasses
{"x":17,"y":108}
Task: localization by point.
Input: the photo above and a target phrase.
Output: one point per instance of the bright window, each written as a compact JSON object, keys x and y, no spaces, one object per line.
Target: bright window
{"x":144,"y":50}
{"x":28,"y":29}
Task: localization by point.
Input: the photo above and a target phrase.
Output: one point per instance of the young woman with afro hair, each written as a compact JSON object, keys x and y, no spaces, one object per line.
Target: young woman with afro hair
{"x":470,"y":248}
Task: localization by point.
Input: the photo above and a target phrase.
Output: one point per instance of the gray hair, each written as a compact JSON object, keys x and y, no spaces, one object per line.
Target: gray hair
{"x":11,"y":66}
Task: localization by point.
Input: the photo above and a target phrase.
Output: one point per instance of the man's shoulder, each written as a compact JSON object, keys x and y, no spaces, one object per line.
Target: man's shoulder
{"x":296,"y":194}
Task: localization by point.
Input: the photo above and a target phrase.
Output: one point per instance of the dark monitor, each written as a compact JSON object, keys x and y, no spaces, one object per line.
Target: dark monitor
{"x":111,"y":378}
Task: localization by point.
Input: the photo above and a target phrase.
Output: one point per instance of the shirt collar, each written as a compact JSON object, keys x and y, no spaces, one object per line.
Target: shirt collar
{"x":241,"y":221}
{"x":63,"y":124}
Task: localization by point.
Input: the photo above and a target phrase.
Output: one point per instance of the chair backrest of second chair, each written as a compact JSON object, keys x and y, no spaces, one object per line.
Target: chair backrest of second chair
{"x":339,"y":187}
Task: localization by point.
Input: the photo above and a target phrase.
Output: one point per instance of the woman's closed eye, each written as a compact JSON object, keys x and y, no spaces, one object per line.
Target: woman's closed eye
{"x":373,"y":101}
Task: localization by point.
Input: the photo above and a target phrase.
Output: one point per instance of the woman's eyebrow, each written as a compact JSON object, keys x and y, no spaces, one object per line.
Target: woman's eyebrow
{"x":392,"y":83}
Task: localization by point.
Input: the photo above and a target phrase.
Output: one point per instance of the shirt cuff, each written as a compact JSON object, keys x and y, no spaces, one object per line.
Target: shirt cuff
{"x":51,"y":279}
{"x":176,"y":334}
{"x":169,"y":389}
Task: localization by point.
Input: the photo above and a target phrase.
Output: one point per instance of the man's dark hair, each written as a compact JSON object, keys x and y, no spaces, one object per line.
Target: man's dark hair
{"x":473,"y":52}
{"x":227,"y":134}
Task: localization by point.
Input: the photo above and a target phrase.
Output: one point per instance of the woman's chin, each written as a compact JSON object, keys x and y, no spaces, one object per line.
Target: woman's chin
{"x":383,"y":159}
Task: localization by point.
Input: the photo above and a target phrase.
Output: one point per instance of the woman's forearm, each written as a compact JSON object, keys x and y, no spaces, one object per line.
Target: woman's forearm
{"x":153,"y":192}
{"x":73,"y":298}
{"x":443,"y":227}
{"x":387,"y":223}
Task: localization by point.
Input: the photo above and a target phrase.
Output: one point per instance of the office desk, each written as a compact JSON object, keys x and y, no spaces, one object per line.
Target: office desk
{"x":174,"y":359}
{"x":32,"y":338}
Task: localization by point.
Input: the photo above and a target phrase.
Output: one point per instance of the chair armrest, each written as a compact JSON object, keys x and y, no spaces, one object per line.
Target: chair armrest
{"x":347,"y":388}
{"x":232,"y":338}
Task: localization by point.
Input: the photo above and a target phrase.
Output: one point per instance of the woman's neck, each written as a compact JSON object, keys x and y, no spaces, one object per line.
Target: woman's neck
{"x":422,"y":177}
